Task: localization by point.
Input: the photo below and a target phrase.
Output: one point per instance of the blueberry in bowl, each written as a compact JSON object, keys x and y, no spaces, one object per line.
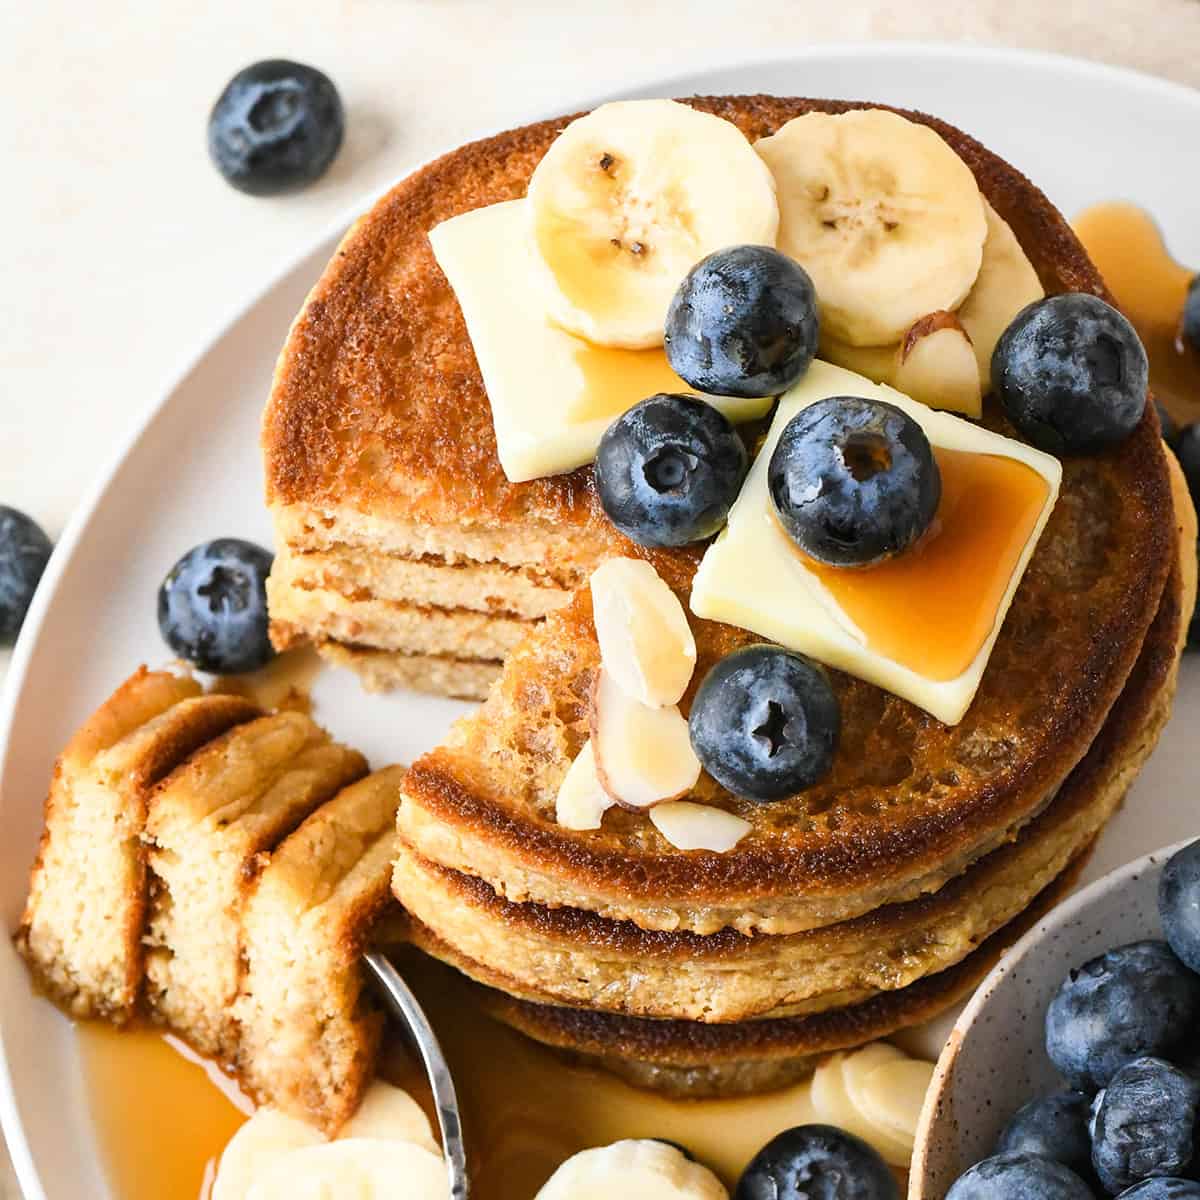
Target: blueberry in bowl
{"x":1028,"y":1176}
{"x":1145,"y":1124}
{"x":1179,"y":908}
{"x":743,"y":323}
{"x":276,"y":127}
{"x":1129,"y":1002}
{"x":24,"y":552}
{"x":853,"y":481}
{"x":817,"y":1162}
{"x":1072,"y":374}
{"x":1163,"y":1189}
{"x":1053,"y":1126}
{"x":212,"y":606}
{"x":765,"y":722}
{"x":669,"y":469}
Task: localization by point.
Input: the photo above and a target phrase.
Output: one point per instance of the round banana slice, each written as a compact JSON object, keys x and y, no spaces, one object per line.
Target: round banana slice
{"x":632,"y":1170}
{"x":883,"y":215}
{"x":833,"y":1103}
{"x":365,"y":1168}
{"x":391,"y":1114}
{"x":627,"y":200}
{"x":265,"y":1139}
{"x":1007,"y":282}
{"x":893,"y":1095}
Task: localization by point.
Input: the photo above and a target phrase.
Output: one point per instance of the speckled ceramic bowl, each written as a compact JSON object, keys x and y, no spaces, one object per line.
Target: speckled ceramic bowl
{"x":994,"y":1059}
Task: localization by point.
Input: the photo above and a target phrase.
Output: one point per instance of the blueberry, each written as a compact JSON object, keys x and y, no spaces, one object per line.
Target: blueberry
{"x":1179,"y":904}
{"x":1146,"y":1124}
{"x":743,"y":323}
{"x":1189,"y":325}
{"x":1131,"y":1001}
{"x":24,"y":553}
{"x":276,"y":127}
{"x":1187,"y":450}
{"x":765,"y":722}
{"x":1019,"y":1177}
{"x":668,"y":470}
{"x":1163,"y":1189}
{"x":1168,"y":424}
{"x":1054,"y":1126}
{"x":212,"y":606}
{"x":1071,"y":373}
{"x":816,"y":1162}
{"x":853,"y":481}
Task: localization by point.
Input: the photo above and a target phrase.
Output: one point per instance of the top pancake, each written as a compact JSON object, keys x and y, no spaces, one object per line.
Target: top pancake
{"x":379,"y":411}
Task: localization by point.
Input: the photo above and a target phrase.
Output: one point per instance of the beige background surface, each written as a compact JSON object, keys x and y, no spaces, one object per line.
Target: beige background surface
{"x":123,"y":250}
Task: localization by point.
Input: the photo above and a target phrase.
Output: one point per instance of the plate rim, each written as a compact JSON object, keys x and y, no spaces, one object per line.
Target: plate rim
{"x":17,"y":675}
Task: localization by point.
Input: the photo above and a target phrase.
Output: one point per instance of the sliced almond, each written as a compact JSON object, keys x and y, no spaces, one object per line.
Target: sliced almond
{"x":582,"y":802}
{"x":936,"y":365}
{"x":893,"y":1095}
{"x":646,"y":644}
{"x":644,"y":755}
{"x":689,"y":826}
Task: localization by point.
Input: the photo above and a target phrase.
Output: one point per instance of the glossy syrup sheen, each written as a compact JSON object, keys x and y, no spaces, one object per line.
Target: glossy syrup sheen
{"x":162,"y":1122}
{"x":1128,"y":249}
{"x":932,"y":608}
{"x":610,"y":379}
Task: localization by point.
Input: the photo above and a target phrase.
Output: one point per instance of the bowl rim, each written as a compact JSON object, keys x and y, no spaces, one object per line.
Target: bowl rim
{"x":1063,"y":913}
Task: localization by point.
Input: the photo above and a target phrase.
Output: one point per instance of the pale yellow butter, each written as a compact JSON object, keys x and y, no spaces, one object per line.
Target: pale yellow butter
{"x":752,"y":577}
{"x":552,"y":394}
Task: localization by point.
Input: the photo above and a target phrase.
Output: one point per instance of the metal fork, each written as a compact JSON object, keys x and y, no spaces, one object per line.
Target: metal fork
{"x":408,"y":1009}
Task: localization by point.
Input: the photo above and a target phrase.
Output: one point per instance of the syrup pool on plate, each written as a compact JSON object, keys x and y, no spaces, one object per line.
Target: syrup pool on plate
{"x":1128,"y":249}
{"x":526,"y":1110}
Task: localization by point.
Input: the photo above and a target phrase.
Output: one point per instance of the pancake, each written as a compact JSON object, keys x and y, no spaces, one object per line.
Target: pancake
{"x":379,"y":448}
{"x":577,"y":958}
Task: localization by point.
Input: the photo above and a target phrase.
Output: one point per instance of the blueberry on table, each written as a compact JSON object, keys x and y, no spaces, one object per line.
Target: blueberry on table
{"x":853,"y":481}
{"x":1189,"y":324}
{"x":24,"y":553}
{"x":1163,"y":1189}
{"x":743,"y":323}
{"x":816,"y":1162}
{"x":669,"y":469}
{"x":1019,"y":1177}
{"x":276,"y":127}
{"x":1179,"y":906}
{"x":1130,"y":1001}
{"x":1054,"y":1126}
{"x":212,"y":606}
{"x":765,"y":723}
{"x":1145,"y":1125}
{"x":1072,"y":374}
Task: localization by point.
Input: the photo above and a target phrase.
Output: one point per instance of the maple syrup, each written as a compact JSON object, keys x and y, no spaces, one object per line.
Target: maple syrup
{"x":610,"y":379}
{"x":162,"y":1120}
{"x":284,"y":683}
{"x":1128,"y":249}
{"x":932,"y":608}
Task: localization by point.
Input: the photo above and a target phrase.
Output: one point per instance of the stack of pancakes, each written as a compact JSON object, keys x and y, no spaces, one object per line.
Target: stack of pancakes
{"x":863,"y":905}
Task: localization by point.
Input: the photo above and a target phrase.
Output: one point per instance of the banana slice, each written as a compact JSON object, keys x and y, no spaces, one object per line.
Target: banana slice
{"x":269,"y":1136}
{"x":362,"y":1168}
{"x":936,"y":365}
{"x":875,"y":362}
{"x":1007,"y":282}
{"x":646,"y":644}
{"x":627,"y":200}
{"x":883,"y":215}
{"x":893,"y":1095}
{"x":644,"y":755}
{"x":632,"y":1170}
{"x":832,"y":1101}
{"x":390,"y":1113}
{"x":582,"y":802}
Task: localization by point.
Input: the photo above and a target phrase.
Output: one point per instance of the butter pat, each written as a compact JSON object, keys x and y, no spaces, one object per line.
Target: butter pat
{"x":552,"y":394}
{"x":753,"y":576}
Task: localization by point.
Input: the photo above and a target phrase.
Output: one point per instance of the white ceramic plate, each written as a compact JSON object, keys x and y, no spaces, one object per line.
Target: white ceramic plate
{"x":192,"y":472}
{"x":996,"y":1059}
